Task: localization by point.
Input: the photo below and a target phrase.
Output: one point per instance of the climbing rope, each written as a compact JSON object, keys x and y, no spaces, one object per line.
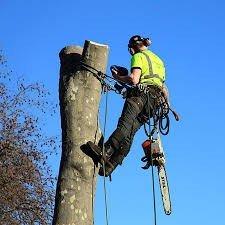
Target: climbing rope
{"x":94,"y":171}
{"x":92,"y":194}
{"x":108,"y":83}
{"x":93,"y":177}
{"x":152,"y":170}
{"x":103,"y":153}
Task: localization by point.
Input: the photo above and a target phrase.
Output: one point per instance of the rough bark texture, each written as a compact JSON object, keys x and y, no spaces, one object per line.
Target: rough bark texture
{"x":79,"y":93}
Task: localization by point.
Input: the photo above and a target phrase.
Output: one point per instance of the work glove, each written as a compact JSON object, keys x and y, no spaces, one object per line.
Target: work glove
{"x":119,"y":70}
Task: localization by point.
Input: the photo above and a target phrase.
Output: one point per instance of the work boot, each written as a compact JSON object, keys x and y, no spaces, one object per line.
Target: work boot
{"x":95,"y":152}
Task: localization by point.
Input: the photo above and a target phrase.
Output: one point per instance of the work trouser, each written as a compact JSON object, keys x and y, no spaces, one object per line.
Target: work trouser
{"x":135,"y":106}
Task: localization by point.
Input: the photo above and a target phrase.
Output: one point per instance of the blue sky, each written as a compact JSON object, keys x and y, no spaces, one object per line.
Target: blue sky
{"x":190,"y":37}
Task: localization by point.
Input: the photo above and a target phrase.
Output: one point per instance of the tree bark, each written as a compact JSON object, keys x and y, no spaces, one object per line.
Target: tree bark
{"x":79,"y":94}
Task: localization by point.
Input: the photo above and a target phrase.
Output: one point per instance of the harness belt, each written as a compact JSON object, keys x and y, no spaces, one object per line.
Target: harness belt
{"x":146,"y":88}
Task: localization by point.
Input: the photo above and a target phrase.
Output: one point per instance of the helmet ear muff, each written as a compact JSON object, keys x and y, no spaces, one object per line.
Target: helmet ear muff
{"x":147,"y":42}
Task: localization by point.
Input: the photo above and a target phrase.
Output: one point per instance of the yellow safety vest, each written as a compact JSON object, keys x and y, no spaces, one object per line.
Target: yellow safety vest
{"x":152,"y":67}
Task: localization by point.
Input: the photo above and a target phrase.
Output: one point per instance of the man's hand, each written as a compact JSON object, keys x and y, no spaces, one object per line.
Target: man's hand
{"x":121,"y":74}
{"x":122,"y":79}
{"x":114,"y":73}
{"x":118,"y":72}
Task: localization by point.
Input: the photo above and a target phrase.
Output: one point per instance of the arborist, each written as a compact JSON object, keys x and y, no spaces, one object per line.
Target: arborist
{"x":148,"y":71}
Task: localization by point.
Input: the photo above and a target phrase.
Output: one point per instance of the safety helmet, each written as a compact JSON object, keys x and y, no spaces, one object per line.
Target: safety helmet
{"x":137,"y":40}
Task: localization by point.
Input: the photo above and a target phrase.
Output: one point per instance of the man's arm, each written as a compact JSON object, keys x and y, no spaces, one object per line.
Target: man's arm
{"x":133,"y":79}
{"x":135,"y":75}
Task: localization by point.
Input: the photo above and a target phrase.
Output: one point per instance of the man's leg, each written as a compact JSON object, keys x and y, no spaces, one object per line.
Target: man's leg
{"x":120,"y":153}
{"x":121,"y":139}
{"x":127,"y":122}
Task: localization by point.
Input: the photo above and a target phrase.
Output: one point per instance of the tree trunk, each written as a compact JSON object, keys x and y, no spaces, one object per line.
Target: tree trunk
{"x":79,"y":94}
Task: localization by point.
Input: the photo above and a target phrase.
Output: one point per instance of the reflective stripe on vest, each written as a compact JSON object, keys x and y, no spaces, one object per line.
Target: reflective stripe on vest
{"x":150,"y":75}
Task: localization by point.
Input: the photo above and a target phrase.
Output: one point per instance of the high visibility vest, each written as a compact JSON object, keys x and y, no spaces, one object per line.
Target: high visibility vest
{"x":152,"y":67}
